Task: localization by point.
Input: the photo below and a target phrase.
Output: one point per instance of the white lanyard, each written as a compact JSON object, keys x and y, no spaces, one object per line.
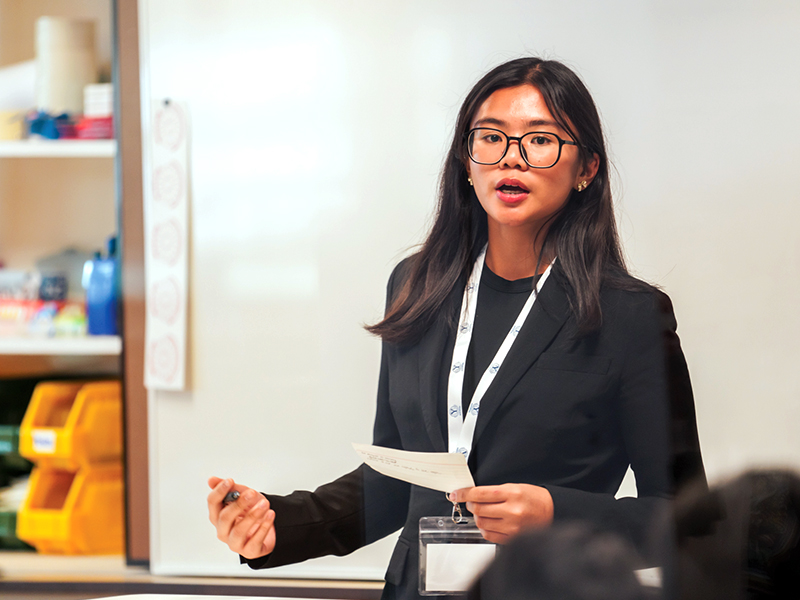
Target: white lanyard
{"x":461,"y":429}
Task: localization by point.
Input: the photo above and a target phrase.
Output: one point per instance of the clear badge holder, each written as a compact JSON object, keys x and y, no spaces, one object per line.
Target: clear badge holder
{"x":452,"y":553}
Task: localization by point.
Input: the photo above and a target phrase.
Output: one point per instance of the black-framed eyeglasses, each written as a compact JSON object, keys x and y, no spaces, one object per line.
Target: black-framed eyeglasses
{"x":539,"y":149}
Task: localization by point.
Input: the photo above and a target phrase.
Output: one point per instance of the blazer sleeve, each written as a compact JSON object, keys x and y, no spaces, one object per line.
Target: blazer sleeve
{"x":658,"y":426}
{"x":355,"y":510}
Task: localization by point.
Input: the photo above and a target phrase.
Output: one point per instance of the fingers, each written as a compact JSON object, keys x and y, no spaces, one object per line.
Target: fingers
{"x":235,"y":511}
{"x":219,"y":487}
{"x":261,"y":538}
{"x":495,"y":537}
{"x":483,"y":493}
{"x":497,"y":530}
{"x":222,"y":516}
{"x":490,"y":524}
{"x":248,"y":526}
{"x":504,"y":510}
{"x":496,"y":510}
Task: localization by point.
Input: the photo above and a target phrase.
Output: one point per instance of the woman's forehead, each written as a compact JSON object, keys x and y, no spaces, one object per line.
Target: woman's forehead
{"x":519,"y":107}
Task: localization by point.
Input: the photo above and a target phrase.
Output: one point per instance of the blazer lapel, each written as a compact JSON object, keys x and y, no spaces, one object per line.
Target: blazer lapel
{"x":545,"y":320}
{"x":434,"y":346}
{"x":430,"y":351}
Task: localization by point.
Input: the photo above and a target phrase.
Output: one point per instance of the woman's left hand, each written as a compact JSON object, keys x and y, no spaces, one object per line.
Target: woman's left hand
{"x":502,"y":511}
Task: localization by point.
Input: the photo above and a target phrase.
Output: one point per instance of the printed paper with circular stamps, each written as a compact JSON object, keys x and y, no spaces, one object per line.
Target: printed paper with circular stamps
{"x":166,"y":246}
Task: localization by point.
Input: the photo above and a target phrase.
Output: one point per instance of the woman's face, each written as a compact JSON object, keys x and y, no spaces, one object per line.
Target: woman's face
{"x":513,"y":194}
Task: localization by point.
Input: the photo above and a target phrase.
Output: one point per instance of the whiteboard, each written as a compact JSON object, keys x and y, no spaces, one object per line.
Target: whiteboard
{"x":317,"y":133}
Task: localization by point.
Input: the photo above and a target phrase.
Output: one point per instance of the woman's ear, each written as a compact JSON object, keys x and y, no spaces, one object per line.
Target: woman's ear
{"x":587,"y":174}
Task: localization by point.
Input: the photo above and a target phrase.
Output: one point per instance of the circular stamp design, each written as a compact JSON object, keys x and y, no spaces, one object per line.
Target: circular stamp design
{"x":170,"y":126}
{"x":168,"y":184}
{"x":168,"y":242}
{"x":164,"y":358}
{"x":165,"y":300}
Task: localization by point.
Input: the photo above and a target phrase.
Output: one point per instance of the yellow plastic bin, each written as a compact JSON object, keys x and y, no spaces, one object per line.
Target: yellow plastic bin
{"x":69,"y":425}
{"x":74,"y":513}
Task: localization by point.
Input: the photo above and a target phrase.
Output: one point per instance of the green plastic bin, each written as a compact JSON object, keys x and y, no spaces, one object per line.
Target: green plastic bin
{"x":8,"y":533}
{"x":9,"y":439}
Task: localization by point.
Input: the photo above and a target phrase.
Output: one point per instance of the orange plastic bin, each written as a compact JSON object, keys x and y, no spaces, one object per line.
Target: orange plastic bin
{"x":69,"y":425}
{"x":74,"y":513}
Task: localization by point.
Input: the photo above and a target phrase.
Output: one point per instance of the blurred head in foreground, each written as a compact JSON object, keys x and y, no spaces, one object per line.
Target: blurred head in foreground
{"x":740,"y":540}
{"x":574,"y":561}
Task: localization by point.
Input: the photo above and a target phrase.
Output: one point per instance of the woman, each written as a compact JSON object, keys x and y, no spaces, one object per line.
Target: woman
{"x":572,"y":364}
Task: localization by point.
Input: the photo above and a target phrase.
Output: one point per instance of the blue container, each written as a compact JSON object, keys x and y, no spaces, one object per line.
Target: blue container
{"x":100,"y":281}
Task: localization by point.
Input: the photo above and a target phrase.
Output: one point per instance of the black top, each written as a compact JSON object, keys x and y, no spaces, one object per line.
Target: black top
{"x":499,"y":304}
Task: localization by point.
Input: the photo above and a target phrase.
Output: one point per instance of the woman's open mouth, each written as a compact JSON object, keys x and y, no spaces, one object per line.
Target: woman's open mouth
{"x":511,"y":190}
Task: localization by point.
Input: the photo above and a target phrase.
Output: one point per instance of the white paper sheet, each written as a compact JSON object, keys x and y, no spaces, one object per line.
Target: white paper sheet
{"x":443,"y":471}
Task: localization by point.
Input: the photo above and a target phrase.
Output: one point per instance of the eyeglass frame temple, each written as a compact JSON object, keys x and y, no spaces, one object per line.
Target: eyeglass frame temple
{"x":561,"y":143}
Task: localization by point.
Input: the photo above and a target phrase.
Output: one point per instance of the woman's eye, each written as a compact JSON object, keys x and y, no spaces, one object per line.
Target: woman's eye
{"x":540,"y":140}
{"x":492,"y":138}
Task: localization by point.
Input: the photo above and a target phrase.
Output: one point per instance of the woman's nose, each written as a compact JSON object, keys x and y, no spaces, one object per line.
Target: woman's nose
{"x":513,"y":157}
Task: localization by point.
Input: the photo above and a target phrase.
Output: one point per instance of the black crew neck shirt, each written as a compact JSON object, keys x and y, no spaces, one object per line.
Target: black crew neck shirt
{"x":499,"y":304}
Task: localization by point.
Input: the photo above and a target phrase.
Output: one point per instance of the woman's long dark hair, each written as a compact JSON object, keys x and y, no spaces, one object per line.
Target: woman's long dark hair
{"x":583,"y":234}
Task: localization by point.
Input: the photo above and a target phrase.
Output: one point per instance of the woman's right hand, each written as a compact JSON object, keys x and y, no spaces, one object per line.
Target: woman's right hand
{"x":246,"y":525}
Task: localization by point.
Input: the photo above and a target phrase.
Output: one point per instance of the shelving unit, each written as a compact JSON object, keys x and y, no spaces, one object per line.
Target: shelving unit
{"x":97,"y":345}
{"x":58,"y":149}
{"x":54,"y":194}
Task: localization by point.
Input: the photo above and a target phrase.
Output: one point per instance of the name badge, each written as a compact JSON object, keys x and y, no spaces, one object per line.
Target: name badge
{"x":451,"y":555}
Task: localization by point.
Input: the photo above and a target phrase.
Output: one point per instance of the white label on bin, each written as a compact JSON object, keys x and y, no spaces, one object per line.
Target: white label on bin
{"x":44,"y":441}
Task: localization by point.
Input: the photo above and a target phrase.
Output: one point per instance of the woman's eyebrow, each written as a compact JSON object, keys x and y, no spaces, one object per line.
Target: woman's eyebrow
{"x":537,"y":122}
{"x":501,"y":123}
{"x":489,"y":121}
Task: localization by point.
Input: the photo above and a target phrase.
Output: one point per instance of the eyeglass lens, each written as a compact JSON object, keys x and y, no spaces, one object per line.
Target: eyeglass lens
{"x":489,"y":146}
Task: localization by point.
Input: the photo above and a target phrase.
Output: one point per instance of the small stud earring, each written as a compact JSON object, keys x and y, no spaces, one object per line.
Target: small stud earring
{"x":582,"y":185}
{"x":470,"y":180}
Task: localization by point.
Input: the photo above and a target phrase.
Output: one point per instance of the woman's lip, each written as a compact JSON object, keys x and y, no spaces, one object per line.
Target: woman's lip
{"x":513,"y":183}
{"x":510,"y":198}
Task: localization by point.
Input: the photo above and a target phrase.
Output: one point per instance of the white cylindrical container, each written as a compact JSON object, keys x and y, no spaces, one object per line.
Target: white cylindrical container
{"x":66,"y":63}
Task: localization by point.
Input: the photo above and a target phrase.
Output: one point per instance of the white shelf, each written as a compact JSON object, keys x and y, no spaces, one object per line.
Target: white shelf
{"x":94,"y":345}
{"x":58,"y":148}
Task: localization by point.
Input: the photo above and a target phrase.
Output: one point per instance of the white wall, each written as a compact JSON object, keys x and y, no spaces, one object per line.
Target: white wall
{"x":318,"y":130}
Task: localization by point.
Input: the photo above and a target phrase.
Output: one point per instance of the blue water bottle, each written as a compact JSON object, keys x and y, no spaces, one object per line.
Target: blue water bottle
{"x":100,"y":281}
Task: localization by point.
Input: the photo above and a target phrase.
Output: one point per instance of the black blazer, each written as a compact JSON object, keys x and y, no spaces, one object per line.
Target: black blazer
{"x":564,"y":412}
